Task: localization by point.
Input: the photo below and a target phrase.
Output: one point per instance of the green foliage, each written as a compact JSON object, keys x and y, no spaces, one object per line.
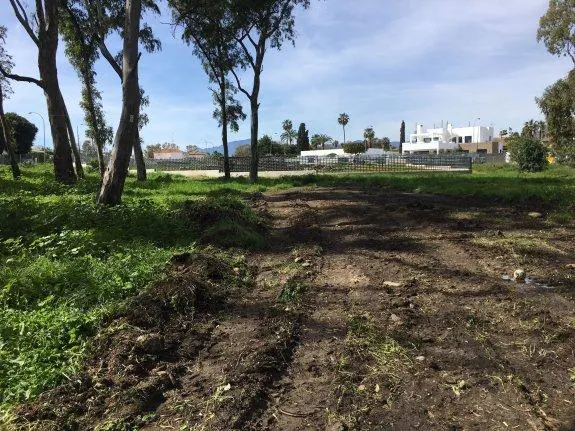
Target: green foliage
{"x":556,"y":28}
{"x":369,"y":136}
{"x":318,"y":141}
{"x":558,"y":105}
{"x":68,"y":264}
{"x":243,"y":151}
{"x":302,"y":138}
{"x":529,"y":154}
{"x":23,"y":133}
{"x":289,"y":134}
{"x":354,"y":148}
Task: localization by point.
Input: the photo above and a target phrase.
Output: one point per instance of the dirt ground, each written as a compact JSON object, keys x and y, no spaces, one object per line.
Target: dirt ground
{"x":370,"y":310}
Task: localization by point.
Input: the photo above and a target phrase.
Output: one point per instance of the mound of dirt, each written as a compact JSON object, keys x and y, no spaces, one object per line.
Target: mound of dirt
{"x":144,"y":352}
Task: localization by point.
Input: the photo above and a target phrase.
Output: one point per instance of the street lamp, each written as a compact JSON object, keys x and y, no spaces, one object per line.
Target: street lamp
{"x":43,"y":131}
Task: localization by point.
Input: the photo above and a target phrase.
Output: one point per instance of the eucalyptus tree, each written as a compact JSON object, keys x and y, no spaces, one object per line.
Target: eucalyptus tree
{"x":127,"y":133}
{"x":558,"y":105}
{"x":88,"y":25}
{"x":289,"y":133}
{"x":261,"y":25}
{"x":5,"y":92}
{"x":42,"y":28}
{"x":81,"y":40}
{"x":343,"y":120}
{"x":557,"y":28}
{"x":209,"y":26}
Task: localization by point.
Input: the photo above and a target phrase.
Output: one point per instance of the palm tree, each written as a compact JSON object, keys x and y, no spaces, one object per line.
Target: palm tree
{"x":369,"y":136}
{"x":289,"y":133}
{"x":343,"y":119}
{"x":317,"y":140}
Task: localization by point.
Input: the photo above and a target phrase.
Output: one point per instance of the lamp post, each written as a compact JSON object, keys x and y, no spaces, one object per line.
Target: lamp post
{"x":43,"y":131}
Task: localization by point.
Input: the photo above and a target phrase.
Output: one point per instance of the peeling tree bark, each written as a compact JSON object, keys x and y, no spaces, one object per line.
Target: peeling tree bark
{"x":117,"y":170}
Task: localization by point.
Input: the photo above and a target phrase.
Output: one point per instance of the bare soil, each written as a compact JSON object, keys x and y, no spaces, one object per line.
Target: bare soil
{"x":369,"y":310}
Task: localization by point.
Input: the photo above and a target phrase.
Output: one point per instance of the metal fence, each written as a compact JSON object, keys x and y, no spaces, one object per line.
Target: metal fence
{"x":348,"y":163}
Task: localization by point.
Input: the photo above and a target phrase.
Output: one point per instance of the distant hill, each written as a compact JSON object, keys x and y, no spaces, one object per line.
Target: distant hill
{"x":232,"y":146}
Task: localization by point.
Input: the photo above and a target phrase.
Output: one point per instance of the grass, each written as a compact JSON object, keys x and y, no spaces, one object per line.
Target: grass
{"x":67,"y":264}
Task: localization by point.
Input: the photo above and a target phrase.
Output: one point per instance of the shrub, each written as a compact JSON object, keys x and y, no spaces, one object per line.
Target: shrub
{"x":529,"y":154}
{"x":354,"y":148}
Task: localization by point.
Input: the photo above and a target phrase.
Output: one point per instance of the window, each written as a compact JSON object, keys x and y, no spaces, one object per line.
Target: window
{"x":468,"y":139}
{"x":460,"y":140}
{"x":454,"y":140}
{"x":414,"y":140}
{"x":436,"y":138}
{"x":427,"y":140}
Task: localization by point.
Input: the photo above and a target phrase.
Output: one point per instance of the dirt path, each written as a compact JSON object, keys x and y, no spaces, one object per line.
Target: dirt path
{"x":408,"y":323}
{"x":369,"y":310}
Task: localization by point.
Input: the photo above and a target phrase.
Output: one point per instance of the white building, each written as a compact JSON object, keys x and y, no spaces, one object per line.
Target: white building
{"x":446,"y":138}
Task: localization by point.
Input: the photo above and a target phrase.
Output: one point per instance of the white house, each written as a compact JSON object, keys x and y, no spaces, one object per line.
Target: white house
{"x":446,"y":138}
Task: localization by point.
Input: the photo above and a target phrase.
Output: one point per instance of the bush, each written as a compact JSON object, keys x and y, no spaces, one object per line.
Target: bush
{"x":354,"y":148}
{"x":529,"y":154}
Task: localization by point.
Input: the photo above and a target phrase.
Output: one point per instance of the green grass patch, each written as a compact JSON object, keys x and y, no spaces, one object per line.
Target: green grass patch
{"x":68,"y":264}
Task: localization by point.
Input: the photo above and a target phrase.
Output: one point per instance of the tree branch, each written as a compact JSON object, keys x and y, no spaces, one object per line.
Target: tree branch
{"x":20,"y":78}
{"x":247,"y":52}
{"x":110,"y":58}
{"x":249,"y":96}
{"x":23,"y":18}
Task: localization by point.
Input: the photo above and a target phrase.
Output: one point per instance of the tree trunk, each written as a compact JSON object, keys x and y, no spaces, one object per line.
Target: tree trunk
{"x":75,"y":151}
{"x":91,"y":111}
{"x":344,"y":134}
{"x":48,"y":45}
{"x":254,"y":106}
{"x":6,"y":136}
{"x":224,"y":109}
{"x":117,"y":170}
{"x":141,"y":173}
{"x":101,"y":161}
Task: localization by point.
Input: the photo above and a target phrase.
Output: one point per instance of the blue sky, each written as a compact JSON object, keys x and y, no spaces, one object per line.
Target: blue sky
{"x":381,"y":61}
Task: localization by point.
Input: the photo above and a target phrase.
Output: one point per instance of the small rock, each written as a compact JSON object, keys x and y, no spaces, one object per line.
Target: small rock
{"x":395,"y":318}
{"x":535,"y":215}
{"x":298,"y":259}
{"x":237,"y":270}
{"x":361,"y":388}
{"x":519,"y":275}
{"x":570,"y":266}
{"x":306,"y":264}
{"x":420,"y":358}
{"x":377,"y":388}
{"x":391,"y":284}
